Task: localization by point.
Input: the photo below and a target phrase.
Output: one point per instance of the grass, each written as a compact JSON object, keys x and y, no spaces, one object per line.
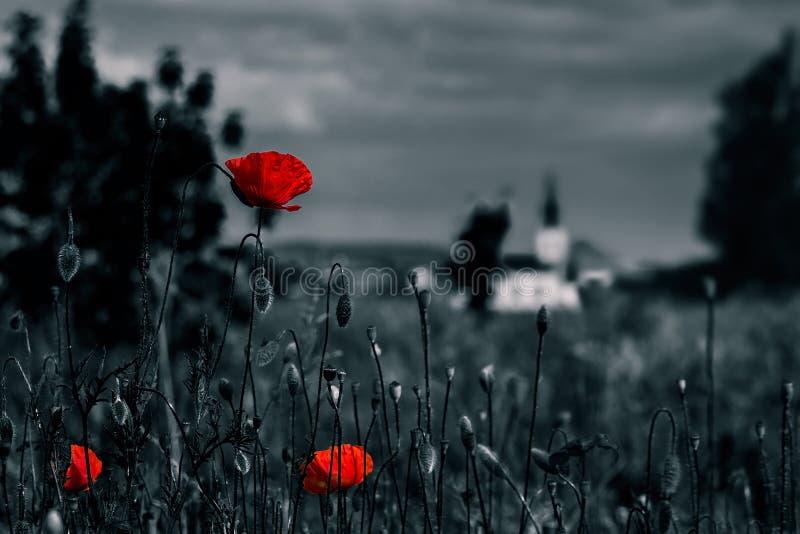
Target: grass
{"x":517,"y":423}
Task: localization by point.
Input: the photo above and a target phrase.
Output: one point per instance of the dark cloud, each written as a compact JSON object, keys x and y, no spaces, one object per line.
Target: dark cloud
{"x":410,"y":110}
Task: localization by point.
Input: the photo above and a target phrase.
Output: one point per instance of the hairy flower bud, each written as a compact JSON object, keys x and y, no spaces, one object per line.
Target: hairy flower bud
{"x":486,"y":378}
{"x":542,"y":460}
{"x":292,"y":379}
{"x":7,"y":433}
{"x":427,"y":456}
{"x":263,"y":291}
{"x":69,"y":261}
{"x":670,"y":476}
{"x":344,"y":309}
{"x":542,"y":320}
{"x":467,"y":433}
{"x":267,"y":352}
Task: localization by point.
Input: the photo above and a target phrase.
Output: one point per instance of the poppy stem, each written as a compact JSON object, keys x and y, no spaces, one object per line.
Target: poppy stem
{"x":249,"y":348}
{"x":5,"y":496}
{"x":363,"y":489}
{"x":313,"y":441}
{"x":486,"y":524}
{"x":523,"y":516}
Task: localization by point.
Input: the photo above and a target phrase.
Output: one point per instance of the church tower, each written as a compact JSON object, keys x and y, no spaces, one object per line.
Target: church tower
{"x":551,"y":242}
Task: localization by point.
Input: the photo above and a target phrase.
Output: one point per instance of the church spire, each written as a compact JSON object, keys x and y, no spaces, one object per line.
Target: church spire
{"x":551,"y":211}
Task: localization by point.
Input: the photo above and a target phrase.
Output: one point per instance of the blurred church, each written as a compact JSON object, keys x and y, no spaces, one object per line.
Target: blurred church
{"x":554,"y":273}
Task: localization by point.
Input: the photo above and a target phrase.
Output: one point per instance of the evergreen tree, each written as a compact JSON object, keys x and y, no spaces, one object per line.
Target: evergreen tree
{"x":88,"y":151}
{"x":751,"y":207}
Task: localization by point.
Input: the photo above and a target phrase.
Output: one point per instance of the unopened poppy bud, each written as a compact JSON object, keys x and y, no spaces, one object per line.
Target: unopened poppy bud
{"x":69,"y":260}
{"x":333,"y":396}
{"x":490,"y":460}
{"x":542,"y":460}
{"x":375,"y":403}
{"x":486,"y":378}
{"x":395,"y":390}
{"x":160,"y":120}
{"x":467,"y":433}
{"x":241,"y":462}
{"x":427,"y":456}
{"x":343,"y":310}
{"x":355,"y":387}
{"x":263,"y":292}
{"x":787,"y":391}
{"x":329,"y":374}
{"x":225,"y":389}
{"x":670,"y":476}
{"x":710,"y":287}
{"x":292,"y":379}
{"x":7,"y":433}
{"x":372,"y":333}
{"x":23,"y":527}
{"x":542,"y":320}
{"x":267,"y":352}
{"x":120,"y":411}
{"x":450,"y":372}
{"x":425,"y":299}
{"x":694,"y":441}
{"x":682,"y":386}
{"x":761,"y":430}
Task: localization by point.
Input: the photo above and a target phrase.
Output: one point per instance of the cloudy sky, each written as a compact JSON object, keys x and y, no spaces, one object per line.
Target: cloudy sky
{"x":410,"y":111}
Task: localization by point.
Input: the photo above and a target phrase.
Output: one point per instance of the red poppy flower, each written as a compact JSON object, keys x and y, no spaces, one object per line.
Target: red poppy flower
{"x":319,"y":469}
{"x":269,"y":179}
{"x":77,"y":480}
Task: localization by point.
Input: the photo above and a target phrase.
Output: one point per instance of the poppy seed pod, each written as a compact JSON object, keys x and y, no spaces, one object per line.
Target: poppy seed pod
{"x":343,"y":310}
{"x":341,"y":374}
{"x":329,"y":374}
{"x":15,"y":323}
{"x":372,"y":333}
{"x":425,"y":299}
{"x":761,"y":430}
{"x":263,"y":292}
{"x":467,"y":433}
{"x":395,"y":390}
{"x":682,"y":386}
{"x":69,"y":261}
{"x":292,"y":379}
{"x":354,"y":387}
{"x":412,"y":278}
{"x":486,"y":378}
{"x":670,"y":476}
{"x":542,"y":320}
{"x":450,"y":372}
{"x":694,"y":440}
{"x":7,"y":433}
{"x":225,"y":389}
{"x":416,"y":389}
{"x":375,"y":403}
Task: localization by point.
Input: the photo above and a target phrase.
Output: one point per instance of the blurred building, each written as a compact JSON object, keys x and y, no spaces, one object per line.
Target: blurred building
{"x":553,"y":273}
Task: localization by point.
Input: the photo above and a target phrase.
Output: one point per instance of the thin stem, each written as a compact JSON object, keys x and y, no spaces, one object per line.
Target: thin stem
{"x":486,"y":524}
{"x":523,"y":517}
{"x":712,"y":440}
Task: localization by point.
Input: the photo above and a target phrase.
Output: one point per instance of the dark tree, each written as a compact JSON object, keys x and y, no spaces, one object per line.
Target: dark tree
{"x":88,"y":150}
{"x":750,"y":211}
{"x":484,"y":234}
{"x":170,"y":70}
